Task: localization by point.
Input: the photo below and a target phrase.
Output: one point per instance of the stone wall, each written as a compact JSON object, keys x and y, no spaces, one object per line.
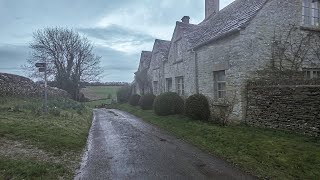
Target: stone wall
{"x":19,"y":86}
{"x":288,"y":105}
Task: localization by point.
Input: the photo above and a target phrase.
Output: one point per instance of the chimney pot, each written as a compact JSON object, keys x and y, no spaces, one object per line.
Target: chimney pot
{"x":185,"y":19}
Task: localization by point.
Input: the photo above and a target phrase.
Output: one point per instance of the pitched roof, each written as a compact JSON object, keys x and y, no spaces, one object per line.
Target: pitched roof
{"x":145,"y":60}
{"x":161,"y":46}
{"x":186,"y":29}
{"x":230,"y":19}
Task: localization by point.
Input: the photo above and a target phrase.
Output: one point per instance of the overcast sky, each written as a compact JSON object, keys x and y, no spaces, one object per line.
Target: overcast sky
{"x":119,"y":29}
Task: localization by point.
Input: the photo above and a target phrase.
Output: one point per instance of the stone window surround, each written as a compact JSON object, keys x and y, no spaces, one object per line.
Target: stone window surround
{"x":180,"y":85}
{"x":177,"y":47}
{"x":310,"y":13}
{"x":313,"y":73}
{"x":219,"y":84}
{"x":155,"y":87}
{"x":168,"y":84}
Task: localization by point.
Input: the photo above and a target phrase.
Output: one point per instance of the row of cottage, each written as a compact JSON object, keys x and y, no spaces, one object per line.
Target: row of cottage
{"x":217,"y":56}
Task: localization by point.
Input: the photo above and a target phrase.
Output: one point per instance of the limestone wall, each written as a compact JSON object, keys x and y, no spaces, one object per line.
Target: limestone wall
{"x":285,"y":105}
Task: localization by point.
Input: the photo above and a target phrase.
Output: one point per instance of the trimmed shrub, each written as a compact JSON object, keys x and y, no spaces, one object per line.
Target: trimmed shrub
{"x":123,"y":94}
{"x":146,"y":101}
{"x":197,"y":107}
{"x":134,"y":100}
{"x":168,"y":104}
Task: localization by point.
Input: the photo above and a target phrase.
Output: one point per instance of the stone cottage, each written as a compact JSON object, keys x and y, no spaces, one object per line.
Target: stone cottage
{"x":217,"y":56}
{"x":140,"y":84}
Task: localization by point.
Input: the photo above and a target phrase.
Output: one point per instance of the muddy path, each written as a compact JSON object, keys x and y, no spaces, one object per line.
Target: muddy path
{"x":121,"y":146}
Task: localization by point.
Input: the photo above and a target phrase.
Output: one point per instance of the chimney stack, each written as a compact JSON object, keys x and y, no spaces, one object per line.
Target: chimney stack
{"x":211,"y":7}
{"x":185,"y":19}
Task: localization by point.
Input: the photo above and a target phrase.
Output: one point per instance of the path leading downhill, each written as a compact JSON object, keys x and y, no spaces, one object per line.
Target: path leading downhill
{"x":121,"y":146}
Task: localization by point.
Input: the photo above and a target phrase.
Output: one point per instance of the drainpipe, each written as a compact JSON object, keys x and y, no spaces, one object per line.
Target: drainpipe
{"x":196,"y":70}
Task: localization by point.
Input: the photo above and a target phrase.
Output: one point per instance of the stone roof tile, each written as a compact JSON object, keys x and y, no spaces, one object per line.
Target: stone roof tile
{"x":162,"y":46}
{"x":232,"y":18}
{"x":145,"y":60}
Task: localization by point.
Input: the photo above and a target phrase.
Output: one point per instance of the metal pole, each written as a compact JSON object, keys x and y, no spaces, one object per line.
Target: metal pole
{"x":45,"y":89}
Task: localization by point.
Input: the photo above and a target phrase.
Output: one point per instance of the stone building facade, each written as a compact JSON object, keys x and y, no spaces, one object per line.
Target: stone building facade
{"x":217,"y":56}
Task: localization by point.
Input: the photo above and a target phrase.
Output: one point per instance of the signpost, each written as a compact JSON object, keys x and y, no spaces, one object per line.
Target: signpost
{"x":43,"y":68}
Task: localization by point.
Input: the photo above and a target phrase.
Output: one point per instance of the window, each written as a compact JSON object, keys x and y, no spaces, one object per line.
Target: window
{"x":219,"y":84}
{"x":180,"y":85}
{"x":312,"y":73}
{"x":169,"y":84}
{"x":155,"y":87}
{"x":178,"y":50}
{"x":310,"y":12}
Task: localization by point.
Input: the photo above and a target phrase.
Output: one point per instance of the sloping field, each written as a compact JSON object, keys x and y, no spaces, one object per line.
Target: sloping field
{"x":100,"y":94}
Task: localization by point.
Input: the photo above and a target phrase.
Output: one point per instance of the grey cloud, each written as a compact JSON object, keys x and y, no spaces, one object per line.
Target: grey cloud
{"x":12,"y":57}
{"x":117,"y":66}
{"x":118,"y":34}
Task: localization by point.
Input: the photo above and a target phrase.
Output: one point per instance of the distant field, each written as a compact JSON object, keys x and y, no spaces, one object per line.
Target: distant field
{"x":96,"y":93}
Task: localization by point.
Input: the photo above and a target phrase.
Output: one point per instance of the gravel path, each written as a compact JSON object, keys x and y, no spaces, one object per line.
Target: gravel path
{"x":121,"y":146}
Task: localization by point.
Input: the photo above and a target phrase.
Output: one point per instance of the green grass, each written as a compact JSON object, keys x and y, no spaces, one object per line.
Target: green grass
{"x":100,"y":92}
{"x":265,"y":153}
{"x":30,"y":169}
{"x":63,"y":130}
{"x":104,"y":91}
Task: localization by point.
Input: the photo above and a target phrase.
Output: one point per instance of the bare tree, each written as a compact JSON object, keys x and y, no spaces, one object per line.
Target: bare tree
{"x":68,"y":55}
{"x":290,"y":49}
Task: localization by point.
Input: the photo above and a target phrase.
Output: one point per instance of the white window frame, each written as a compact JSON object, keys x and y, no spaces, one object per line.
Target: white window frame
{"x":219,"y":79}
{"x":155,"y":87}
{"x":178,"y":50}
{"x":312,"y":73}
{"x":180,"y":85}
{"x":168,"y":84}
{"x":311,"y":13}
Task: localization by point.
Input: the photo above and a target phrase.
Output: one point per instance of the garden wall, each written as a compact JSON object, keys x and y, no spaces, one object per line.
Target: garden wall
{"x":285,"y":104}
{"x":19,"y":86}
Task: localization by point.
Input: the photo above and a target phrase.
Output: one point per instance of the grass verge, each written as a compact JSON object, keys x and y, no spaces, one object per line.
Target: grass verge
{"x":265,"y":153}
{"x":58,"y":136}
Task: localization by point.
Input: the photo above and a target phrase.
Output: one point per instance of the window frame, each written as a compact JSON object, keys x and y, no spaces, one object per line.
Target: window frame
{"x":310,"y":73}
{"x":219,"y":84}
{"x":180,"y":85}
{"x":155,"y":87}
{"x":168,"y":88}
{"x":178,"y":50}
{"x":310,"y":13}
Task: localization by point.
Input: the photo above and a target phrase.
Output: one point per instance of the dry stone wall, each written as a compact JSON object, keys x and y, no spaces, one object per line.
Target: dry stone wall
{"x":291,"y":106}
{"x":19,"y":86}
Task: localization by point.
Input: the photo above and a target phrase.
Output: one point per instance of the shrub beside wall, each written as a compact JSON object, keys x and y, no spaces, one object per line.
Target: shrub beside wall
{"x":197,"y":107}
{"x":123,"y":94}
{"x":168,"y":104}
{"x":146,"y":101}
{"x":134,"y":100}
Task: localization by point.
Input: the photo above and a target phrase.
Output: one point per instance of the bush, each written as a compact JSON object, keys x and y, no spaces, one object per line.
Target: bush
{"x":197,"y":107}
{"x":123,"y":94}
{"x":146,"y":101}
{"x":134,"y":100}
{"x":168,"y":104}
{"x":55,"y":111}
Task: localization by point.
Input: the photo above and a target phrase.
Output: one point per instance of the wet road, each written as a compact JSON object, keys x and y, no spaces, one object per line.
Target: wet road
{"x":121,"y":146}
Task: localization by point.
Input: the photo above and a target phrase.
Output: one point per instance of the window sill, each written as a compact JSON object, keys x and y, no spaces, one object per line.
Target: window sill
{"x":179,"y":61}
{"x":156,"y":68}
{"x":310,"y":28}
